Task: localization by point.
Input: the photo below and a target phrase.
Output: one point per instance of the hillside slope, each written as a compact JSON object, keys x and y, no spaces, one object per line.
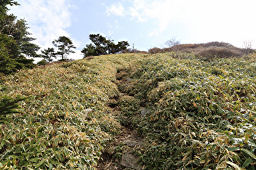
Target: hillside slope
{"x":194,"y":113}
{"x":186,"y":112}
{"x":66,"y":121}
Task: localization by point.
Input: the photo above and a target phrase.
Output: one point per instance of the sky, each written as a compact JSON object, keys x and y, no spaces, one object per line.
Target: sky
{"x":144,"y":23}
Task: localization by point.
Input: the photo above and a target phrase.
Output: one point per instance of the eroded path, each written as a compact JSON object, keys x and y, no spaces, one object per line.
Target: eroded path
{"x":121,"y":152}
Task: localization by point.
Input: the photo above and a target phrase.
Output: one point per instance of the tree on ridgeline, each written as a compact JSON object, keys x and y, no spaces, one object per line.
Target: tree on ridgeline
{"x":48,"y":54}
{"x":102,"y":46}
{"x":172,"y":42}
{"x":15,"y":41}
{"x":65,"y":47}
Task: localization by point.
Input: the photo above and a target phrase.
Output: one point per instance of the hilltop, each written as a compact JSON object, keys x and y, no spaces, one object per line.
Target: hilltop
{"x":143,"y":111}
{"x":209,"y":50}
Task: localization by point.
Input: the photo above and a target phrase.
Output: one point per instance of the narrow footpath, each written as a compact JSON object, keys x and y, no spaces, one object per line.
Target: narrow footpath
{"x":119,"y":154}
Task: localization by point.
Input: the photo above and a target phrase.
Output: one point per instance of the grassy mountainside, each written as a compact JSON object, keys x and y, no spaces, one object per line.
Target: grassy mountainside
{"x":65,"y":121}
{"x":191,"y":112}
{"x":199,"y":113}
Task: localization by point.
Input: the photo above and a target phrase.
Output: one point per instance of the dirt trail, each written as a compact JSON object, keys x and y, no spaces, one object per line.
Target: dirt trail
{"x":119,"y":154}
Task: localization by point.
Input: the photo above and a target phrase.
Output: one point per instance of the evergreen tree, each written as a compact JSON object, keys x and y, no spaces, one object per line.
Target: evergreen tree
{"x":18,"y":30}
{"x":7,"y":64}
{"x":48,"y":54}
{"x":102,"y":46}
{"x":65,"y":47}
{"x":9,"y":105}
{"x":8,"y":51}
{"x":89,"y":50}
{"x":4,"y":4}
{"x":15,"y":41}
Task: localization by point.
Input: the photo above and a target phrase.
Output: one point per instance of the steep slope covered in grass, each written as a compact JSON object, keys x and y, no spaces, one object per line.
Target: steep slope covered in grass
{"x":190,"y":112}
{"x":196,"y":113}
{"x":66,"y":121}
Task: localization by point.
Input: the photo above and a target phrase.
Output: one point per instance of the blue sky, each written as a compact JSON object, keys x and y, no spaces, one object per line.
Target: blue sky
{"x":146,"y":23}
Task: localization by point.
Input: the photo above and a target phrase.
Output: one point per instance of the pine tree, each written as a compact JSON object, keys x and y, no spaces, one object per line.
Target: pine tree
{"x":4,"y":4}
{"x":7,"y":46}
{"x":48,"y":54}
{"x":102,"y":46}
{"x":15,"y":41}
{"x":65,"y":47}
{"x":9,"y":105}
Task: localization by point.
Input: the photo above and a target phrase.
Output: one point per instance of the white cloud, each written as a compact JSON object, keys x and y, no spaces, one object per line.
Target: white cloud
{"x":116,"y":9}
{"x":47,"y":19}
{"x":204,"y":20}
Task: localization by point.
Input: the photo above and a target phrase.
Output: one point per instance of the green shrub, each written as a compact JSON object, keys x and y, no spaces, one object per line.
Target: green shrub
{"x":9,"y":105}
{"x":42,"y":62}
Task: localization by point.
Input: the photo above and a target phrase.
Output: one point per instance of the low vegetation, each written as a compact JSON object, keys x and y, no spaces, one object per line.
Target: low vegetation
{"x":197,"y":113}
{"x":190,"y":112}
{"x":65,"y":121}
{"x":189,"y":106}
{"x":208,"y":50}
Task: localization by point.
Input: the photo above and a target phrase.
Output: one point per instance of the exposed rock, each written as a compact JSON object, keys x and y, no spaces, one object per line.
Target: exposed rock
{"x":88,"y":110}
{"x":110,"y":150}
{"x":130,"y":143}
{"x":129,"y":80}
{"x":130,"y":161}
{"x":144,"y":111}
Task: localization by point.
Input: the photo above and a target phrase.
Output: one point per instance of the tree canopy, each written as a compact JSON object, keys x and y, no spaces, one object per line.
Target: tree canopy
{"x":65,"y":46}
{"x":48,"y":54}
{"x":172,"y":42}
{"x":4,"y":5}
{"x":102,"y":46}
{"x":15,"y":41}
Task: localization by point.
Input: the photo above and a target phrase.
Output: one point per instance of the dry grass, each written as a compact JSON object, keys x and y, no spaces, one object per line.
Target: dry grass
{"x":65,"y":121}
{"x":200,"y":114}
{"x":219,"y":52}
{"x":207,"y":50}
